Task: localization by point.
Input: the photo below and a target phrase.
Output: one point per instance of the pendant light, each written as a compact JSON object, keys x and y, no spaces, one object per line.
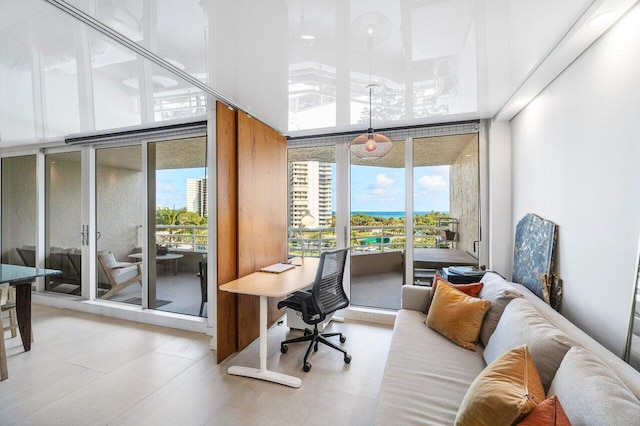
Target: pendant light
{"x":370,"y":146}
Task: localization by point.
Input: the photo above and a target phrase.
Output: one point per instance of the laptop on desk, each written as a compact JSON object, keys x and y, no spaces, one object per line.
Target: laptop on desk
{"x":276,"y":268}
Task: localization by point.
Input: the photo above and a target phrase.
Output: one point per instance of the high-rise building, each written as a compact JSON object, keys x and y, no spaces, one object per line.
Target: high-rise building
{"x":310,"y":189}
{"x":197,"y":196}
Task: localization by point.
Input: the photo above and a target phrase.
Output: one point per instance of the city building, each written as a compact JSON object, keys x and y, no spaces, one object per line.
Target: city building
{"x":310,"y":190}
{"x":197,"y":196}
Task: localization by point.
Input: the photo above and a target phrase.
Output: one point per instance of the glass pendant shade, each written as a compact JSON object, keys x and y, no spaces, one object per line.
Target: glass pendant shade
{"x":371,"y":145}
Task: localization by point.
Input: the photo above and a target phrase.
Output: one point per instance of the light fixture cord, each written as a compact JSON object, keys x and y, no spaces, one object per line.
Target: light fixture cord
{"x":370,"y":89}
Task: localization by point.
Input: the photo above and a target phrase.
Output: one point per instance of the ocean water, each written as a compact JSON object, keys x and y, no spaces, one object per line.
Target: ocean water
{"x":387,"y":215}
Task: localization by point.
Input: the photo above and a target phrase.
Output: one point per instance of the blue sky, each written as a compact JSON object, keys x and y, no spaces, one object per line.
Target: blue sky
{"x":171,"y":186}
{"x":383,"y":189}
{"x":372,"y":189}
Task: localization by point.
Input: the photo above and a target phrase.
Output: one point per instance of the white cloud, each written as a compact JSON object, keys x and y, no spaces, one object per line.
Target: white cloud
{"x":383,"y":181}
{"x":432,"y":183}
{"x":380,"y":186}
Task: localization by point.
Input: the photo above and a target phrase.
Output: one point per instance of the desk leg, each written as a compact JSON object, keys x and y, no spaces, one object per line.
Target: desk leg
{"x":262,"y":373}
{"x":23,"y":312}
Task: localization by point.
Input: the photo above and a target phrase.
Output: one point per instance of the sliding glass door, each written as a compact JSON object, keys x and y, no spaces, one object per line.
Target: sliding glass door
{"x":63,"y":204}
{"x":178,"y":180}
{"x":378,"y":229}
{"x":19,"y":206}
{"x":120,"y":211}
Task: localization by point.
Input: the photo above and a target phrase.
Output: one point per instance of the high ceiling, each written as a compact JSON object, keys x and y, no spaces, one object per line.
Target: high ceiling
{"x":301,"y":66}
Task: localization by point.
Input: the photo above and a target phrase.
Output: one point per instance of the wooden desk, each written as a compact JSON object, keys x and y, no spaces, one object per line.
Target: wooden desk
{"x":265,"y":285}
{"x":435,"y":258}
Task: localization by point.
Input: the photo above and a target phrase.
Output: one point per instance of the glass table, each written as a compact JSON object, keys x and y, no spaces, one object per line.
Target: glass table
{"x":21,"y":278}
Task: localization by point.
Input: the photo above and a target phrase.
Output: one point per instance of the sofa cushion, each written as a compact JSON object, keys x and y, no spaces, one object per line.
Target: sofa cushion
{"x":548,"y":413}
{"x":472,"y":289}
{"x":521,"y":324}
{"x":500,"y":293}
{"x":591,"y":393}
{"x":425,"y":376}
{"x":109,"y":259}
{"x":504,"y":392}
{"x":457,"y":315}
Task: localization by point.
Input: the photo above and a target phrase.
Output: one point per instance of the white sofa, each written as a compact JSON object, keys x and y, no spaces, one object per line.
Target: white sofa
{"x":426,"y":375}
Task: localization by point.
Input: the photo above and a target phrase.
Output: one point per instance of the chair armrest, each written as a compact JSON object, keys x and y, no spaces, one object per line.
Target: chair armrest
{"x":414,"y":297}
{"x":122,"y":265}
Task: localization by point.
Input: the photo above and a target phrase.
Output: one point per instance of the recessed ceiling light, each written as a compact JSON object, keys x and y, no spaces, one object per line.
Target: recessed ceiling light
{"x":307,"y":37}
{"x":602,"y":19}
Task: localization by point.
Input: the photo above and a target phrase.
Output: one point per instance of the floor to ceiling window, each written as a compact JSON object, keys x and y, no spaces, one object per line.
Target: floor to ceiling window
{"x":378,"y":229}
{"x":444,"y":190}
{"x":178,"y":247}
{"x":119,"y":223}
{"x":19,"y":206}
{"x":312,"y":186}
{"x":445,"y":199}
{"x":63,"y":180}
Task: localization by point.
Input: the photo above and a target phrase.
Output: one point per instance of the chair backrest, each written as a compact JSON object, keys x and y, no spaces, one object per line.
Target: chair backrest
{"x":75,"y":259}
{"x":328,"y":292}
{"x":202,"y":273}
{"x":27,"y":255}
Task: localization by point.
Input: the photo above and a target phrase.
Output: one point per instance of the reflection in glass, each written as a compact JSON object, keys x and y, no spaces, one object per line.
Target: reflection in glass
{"x":180,"y":229}
{"x":19,"y":210}
{"x":63,"y":221}
{"x":119,"y":219}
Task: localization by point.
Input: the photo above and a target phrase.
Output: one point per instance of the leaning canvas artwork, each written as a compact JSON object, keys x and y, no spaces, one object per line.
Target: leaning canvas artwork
{"x":534,"y":252}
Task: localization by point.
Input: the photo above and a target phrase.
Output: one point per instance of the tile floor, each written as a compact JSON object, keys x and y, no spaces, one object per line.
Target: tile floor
{"x":377,"y":290}
{"x":91,"y":370}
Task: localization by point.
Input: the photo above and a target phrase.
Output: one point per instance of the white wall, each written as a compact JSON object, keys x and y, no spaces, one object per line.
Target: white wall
{"x":500,"y":232}
{"x":576,"y":158}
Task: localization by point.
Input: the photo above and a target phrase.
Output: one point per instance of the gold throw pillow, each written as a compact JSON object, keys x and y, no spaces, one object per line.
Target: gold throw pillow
{"x":457,"y":316}
{"x":505,"y":392}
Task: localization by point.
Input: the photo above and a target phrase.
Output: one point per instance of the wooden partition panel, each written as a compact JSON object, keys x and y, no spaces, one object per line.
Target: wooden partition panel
{"x":262,"y":214}
{"x":227,"y":228}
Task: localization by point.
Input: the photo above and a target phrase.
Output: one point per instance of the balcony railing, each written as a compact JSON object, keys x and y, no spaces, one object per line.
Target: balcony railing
{"x":312,"y":242}
{"x":182,"y":237}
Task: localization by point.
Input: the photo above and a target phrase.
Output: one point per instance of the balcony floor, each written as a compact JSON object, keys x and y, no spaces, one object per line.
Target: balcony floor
{"x":377,"y":290}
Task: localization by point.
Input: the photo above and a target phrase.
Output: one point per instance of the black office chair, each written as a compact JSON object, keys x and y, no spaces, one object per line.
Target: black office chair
{"x":325,"y":297}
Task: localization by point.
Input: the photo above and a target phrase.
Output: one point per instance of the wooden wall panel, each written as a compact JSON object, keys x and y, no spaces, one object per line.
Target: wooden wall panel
{"x":227,"y":228}
{"x":262,"y":214}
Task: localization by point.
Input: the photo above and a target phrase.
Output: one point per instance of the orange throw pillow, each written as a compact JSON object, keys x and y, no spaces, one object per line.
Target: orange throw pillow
{"x":548,"y":413}
{"x":457,"y":316}
{"x":472,"y":290}
{"x":505,"y":392}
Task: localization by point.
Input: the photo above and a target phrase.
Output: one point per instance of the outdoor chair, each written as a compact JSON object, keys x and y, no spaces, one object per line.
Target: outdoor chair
{"x":27,"y":254}
{"x":119,"y":274}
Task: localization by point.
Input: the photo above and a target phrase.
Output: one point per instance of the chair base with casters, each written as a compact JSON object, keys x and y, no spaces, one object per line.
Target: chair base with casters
{"x":314,"y":337}
{"x":325,"y":297}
